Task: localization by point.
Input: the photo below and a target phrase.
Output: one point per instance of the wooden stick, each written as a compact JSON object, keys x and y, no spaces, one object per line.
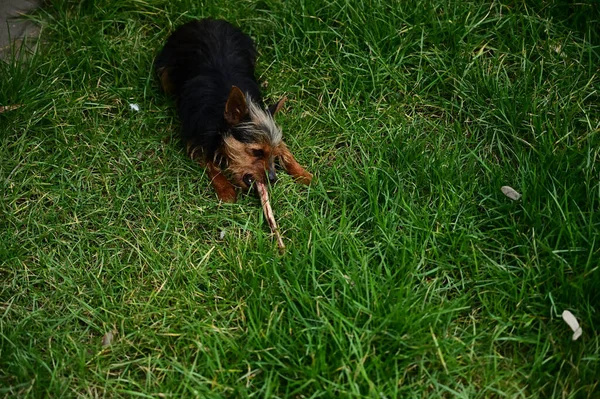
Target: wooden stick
{"x":264,"y":199}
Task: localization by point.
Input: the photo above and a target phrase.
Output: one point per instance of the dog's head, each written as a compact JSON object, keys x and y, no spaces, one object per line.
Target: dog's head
{"x":253,"y":140}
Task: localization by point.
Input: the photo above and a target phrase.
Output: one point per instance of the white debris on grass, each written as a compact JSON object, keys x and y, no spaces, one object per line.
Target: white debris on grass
{"x":107,"y":339}
{"x":573,"y":323}
{"x":134,"y":107}
{"x":511,"y":193}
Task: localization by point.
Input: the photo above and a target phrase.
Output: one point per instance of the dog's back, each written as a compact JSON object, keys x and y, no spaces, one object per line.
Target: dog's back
{"x":212,"y":50}
{"x":199,"y":64}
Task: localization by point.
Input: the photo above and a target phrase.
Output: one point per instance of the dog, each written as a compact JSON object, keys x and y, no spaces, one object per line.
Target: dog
{"x":208,"y":67}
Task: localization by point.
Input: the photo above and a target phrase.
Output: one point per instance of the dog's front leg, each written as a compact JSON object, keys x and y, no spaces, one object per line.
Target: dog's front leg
{"x":292,"y":166}
{"x":225,"y":190}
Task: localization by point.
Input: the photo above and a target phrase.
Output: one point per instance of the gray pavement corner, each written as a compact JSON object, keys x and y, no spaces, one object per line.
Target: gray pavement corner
{"x":17,"y":33}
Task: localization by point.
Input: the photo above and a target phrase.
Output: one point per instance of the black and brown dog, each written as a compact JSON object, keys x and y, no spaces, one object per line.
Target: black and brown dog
{"x":208,"y":66}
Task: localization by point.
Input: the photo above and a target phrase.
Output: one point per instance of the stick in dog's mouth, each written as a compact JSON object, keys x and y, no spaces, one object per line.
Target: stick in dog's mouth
{"x":266,"y":205}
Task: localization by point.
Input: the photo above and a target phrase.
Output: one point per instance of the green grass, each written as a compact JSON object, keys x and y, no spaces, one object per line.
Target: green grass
{"x":408,"y":272}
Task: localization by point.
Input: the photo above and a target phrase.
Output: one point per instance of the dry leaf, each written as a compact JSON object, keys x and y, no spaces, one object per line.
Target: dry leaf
{"x":510,"y":193}
{"x":573,"y":323}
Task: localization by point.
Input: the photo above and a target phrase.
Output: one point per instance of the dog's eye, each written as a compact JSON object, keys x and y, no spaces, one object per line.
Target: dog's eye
{"x":258,"y":153}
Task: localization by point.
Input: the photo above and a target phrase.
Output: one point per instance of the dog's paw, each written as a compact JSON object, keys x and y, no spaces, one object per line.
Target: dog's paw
{"x":304,"y":178}
{"x":227,"y":194}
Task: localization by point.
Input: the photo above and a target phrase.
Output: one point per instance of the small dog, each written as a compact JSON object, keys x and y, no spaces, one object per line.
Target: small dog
{"x":208,"y":66}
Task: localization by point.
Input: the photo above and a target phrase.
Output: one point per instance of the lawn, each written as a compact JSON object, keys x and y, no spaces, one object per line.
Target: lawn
{"x":408,"y":272}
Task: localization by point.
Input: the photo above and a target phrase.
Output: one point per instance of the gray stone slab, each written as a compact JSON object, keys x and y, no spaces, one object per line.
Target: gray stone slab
{"x":13,"y":28}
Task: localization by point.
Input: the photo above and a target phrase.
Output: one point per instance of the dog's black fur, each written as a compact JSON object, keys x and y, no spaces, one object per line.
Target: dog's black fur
{"x":208,"y":66}
{"x":204,"y":59}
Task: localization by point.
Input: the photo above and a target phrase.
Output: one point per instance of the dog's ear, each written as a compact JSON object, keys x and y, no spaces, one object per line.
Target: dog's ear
{"x":273,"y":109}
{"x":235,"y":108}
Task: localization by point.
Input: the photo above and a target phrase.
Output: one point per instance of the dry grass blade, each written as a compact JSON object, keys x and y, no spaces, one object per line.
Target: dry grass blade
{"x":6,"y":108}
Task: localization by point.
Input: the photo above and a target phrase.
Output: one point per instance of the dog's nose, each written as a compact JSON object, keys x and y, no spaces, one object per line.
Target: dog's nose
{"x":248,"y":179}
{"x":272,"y":176}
